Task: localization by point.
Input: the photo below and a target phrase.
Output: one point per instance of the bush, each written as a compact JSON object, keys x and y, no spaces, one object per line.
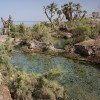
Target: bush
{"x":40,"y":33}
{"x":35,"y":86}
{"x":14,"y":28}
{"x":48,"y":90}
{"x":22,"y":28}
{"x":47,"y":24}
{"x":81,"y":33}
{"x":22,"y":86}
{"x":20,"y":31}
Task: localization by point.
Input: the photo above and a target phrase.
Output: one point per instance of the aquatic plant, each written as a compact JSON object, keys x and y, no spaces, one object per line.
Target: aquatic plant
{"x":54,"y":73}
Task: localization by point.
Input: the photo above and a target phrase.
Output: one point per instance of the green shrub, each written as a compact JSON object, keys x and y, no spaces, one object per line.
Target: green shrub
{"x":22,"y":28}
{"x":14,"y":28}
{"x":47,"y":24}
{"x":22,"y":86}
{"x":96,"y":31}
{"x":81,"y":33}
{"x":48,"y":90}
{"x":40,"y":33}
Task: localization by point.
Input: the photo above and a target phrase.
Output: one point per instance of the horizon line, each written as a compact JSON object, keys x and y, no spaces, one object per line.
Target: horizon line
{"x":26,"y":21}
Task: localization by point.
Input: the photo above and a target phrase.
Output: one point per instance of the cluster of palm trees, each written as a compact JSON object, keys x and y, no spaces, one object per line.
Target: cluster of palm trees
{"x":70,"y":10}
{"x":73,"y":11}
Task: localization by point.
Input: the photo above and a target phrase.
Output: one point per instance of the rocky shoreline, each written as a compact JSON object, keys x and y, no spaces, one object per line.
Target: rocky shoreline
{"x":85,"y":51}
{"x":88,"y":51}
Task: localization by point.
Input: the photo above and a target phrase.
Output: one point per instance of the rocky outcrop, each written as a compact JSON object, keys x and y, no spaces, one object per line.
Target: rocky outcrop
{"x":65,"y":35}
{"x":88,"y":48}
{"x":36,"y":45}
{"x":55,"y":50}
{"x":3,"y":38}
{"x":4,"y":92}
{"x":85,"y":48}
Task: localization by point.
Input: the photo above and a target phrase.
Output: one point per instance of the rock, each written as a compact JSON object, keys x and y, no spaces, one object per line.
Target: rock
{"x":3,"y":38}
{"x":63,"y":29}
{"x":31,"y":45}
{"x":85,"y":48}
{"x":51,"y":47}
{"x":43,"y":46}
{"x":4,"y":92}
{"x":17,"y":41}
{"x":67,"y":35}
{"x":11,"y":40}
{"x":55,"y":50}
{"x":1,"y":79}
{"x":37,"y":46}
{"x":23,"y":42}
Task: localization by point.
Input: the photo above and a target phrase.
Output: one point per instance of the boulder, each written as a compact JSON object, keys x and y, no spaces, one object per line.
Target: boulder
{"x":23,"y":42}
{"x":31,"y":45}
{"x":43,"y":46}
{"x":55,"y":50}
{"x":3,"y":39}
{"x":67,"y":35}
{"x":37,"y":45}
{"x":4,"y":92}
{"x":17,"y":41}
{"x":85,"y":48}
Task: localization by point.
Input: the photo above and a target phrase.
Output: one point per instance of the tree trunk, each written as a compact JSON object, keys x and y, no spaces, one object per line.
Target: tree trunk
{"x":50,"y":19}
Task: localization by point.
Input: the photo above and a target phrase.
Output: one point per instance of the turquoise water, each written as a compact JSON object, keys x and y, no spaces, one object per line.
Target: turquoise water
{"x":81,"y":80}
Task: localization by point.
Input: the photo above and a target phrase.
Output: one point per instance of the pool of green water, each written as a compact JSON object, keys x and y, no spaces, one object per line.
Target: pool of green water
{"x":81,"y":80}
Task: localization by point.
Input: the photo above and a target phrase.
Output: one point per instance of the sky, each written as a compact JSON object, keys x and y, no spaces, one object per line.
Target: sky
{"x":32,"y":10}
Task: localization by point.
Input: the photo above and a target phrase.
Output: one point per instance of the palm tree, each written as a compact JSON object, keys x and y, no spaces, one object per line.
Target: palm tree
{"x":73,"y":11}
{"x":84,"y":14}
{"x":77,"y":10}
{"x":59,"y":13}
{"x":79,"y":13}
{"x":60,"y":17}
{"x":70,"y":9}
{"x":67,"y":11}
{"x":50,"y":11}
{"x":78,"y":6}
{"x":70,"y":4}
{"x":94,"y":15}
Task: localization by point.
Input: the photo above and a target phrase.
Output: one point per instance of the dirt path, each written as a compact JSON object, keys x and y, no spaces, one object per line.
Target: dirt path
{"x":3,"y":38}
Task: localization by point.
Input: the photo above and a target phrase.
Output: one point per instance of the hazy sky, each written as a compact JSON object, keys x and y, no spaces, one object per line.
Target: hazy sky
{"x":32,"y":10}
